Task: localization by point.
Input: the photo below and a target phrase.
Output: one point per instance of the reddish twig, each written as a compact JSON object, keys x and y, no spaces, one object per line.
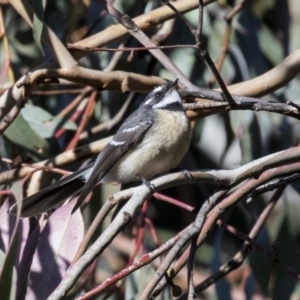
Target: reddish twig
{"x":152,"y":231}
{"x":85,"y":118}
{"x":141,"y":233}
{"x":76,"y":114}
{"x":144,"y":260}
{"x":173,"y":201}
{"x":83,"y":93}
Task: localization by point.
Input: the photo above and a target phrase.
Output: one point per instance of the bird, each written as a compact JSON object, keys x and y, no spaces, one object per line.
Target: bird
{"x":150,"y":142}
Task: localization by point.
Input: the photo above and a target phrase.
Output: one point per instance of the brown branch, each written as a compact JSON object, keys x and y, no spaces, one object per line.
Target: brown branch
{"x":114,"y":80}
{"x":199,"y":108}
{"x":60,"y":160}
{"x":131,"y":81}
{"x":35,"y":166}
{"x":9,"y":118}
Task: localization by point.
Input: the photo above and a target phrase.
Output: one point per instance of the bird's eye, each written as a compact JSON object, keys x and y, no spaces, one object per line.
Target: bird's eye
{"x":157,"y":95}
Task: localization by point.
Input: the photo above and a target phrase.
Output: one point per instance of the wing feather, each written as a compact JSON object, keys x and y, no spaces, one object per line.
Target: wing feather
{"x":121,"y":143}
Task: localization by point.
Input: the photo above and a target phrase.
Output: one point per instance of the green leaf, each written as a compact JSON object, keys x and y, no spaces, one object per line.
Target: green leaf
{"x":9,"y":277}
{"x":240,"y":122}
{"x":270,"y":45}
{"x":43,"y":123}
{"x":8,"y":274}
{"x":20,"y":133}
{"x":38,"y":22}
{"x":261,"y":266}
{"x":288,"y":250}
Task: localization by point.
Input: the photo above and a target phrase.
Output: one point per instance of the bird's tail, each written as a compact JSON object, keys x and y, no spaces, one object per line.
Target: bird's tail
{"x":51,"y":196}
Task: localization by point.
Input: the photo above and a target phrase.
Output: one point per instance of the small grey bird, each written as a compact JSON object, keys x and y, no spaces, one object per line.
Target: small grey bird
{"x":151,"y":141}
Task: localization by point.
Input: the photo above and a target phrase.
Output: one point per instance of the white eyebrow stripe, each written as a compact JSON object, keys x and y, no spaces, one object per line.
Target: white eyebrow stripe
{"x":131,"y":128}
{"x":170,"y":98}
{"x":116,"y":143}
{"x":157,"y":89}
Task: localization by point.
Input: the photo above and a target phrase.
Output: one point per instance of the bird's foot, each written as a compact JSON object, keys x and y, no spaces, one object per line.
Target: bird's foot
{"x":147,"y":183}
{"x":185,"y":172}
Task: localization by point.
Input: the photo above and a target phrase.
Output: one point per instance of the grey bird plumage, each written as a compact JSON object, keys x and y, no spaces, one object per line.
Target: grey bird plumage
{"x":151,"y":141}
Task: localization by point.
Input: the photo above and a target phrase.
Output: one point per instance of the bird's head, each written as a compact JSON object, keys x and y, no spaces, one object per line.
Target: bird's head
{"x":164,"y":96}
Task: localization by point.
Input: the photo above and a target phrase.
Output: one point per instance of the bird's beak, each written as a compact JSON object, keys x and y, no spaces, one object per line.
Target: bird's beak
{"x":173,"y":84}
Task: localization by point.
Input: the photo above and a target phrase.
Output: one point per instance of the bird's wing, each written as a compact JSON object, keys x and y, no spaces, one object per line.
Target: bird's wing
{"x":129,"y":134}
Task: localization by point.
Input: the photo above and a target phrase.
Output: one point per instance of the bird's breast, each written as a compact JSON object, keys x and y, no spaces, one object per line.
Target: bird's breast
{"x":161,"y":149}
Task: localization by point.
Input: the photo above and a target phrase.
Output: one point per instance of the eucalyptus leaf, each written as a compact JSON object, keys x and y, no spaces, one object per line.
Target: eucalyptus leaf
{"x":288,"y":249}
{"x":9,"y":233}
{"x":56,"y":248}
{"x":43,"y":123}
{"x":20,"y":133}
{"x":270,"y":45}
{"x":38,"y":22}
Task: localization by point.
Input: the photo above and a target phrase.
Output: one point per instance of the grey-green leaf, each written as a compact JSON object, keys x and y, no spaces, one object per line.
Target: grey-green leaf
{"x":38,"y":22}
{"x":20,"y":133}
{"x":43,"y":123}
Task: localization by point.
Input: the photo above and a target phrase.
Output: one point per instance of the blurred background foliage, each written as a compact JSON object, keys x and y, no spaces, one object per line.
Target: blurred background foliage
{"x":264,"y":33}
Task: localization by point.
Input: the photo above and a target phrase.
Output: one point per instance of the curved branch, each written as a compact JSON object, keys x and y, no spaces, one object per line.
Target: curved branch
{"x":140,"y":193}
{"x":114,"y":80}
{"x":60,"y":160}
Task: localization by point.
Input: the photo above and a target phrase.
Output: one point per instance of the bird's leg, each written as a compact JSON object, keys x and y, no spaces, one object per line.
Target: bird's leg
{"x":147,"y":183}
{"x":185,"y":172}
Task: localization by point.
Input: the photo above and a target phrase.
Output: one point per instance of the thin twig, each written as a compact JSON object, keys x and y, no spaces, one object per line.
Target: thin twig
{"x":272,"y":186}
{"x":178,"y":13}
{"x":190,"y":279}
{"x":83,"y":93}
{"x":219,"y":78}
{"x":125,"y":49}
{"x":36,"y":167}
{"x":198,"y":32}
{"x":75,"y":115}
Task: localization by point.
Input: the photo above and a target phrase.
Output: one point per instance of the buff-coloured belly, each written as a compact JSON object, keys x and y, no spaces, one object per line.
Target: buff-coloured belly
{"x":159,"y":152}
